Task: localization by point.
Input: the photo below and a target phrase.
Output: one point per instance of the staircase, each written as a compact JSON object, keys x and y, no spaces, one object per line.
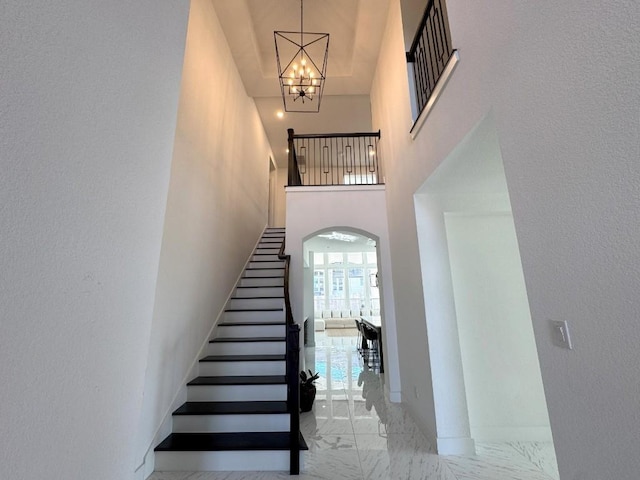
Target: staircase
{"x":237,"y":416}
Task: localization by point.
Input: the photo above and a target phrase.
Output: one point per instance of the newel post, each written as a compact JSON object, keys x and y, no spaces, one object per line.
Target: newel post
{"x":291,"y":163}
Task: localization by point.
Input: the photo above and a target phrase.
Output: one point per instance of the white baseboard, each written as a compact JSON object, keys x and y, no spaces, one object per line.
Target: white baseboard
{"x":456,"y":446}
{"x":394,"y":396}
{"x":145,"y":469}
{"x":511,"y":434}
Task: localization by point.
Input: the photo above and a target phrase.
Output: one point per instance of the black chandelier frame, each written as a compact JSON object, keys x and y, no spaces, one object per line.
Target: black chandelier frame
{"x":302,"y":94}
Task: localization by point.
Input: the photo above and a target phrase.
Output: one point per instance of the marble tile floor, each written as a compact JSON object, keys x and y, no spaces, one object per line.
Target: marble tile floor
{"x":354,"y":433}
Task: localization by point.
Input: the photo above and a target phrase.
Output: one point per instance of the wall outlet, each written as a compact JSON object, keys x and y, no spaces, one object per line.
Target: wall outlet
{"x":561,"y":335}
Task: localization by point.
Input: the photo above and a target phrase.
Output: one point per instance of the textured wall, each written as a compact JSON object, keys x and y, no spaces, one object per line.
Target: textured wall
{"x":561,"y":80}
{"x":216,"y":210}
{"x":88,"y":100}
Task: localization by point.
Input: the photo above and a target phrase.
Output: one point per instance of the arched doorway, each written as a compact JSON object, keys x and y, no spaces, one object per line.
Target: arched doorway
{"x":341,"y":283}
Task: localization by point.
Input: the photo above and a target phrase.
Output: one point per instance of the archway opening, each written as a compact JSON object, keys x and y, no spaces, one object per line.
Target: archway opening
{"x":341,"y":283}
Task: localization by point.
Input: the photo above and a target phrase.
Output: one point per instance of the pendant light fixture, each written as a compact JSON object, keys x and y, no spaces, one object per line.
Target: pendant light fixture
{"x":302,"y":67}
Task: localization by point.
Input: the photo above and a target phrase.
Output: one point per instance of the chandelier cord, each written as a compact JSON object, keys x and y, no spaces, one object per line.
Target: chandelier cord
{"x":301,"y":22}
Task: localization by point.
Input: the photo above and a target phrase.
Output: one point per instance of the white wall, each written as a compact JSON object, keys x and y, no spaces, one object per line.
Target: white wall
{"x":216,"y":210}
{"x":282,"y":180}
{"x":561,"y":81}
{"x":89,"y":95}
{"x":313,"y":209}
{"x":502,"y":378}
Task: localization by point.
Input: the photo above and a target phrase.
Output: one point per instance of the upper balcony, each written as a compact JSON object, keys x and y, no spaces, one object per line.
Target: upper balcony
{"x":334,"y":159}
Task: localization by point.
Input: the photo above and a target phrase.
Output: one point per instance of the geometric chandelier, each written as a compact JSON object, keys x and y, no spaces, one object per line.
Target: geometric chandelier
{"x":301,"y":74}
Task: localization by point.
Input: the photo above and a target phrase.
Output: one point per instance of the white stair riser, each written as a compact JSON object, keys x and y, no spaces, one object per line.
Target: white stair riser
{"x":258,"y":264}
{"x":236,"y":393}
{"x":266,"y":258}
{"x":255,"y":303}
{"x":260,"y":292}
{"x":230,"y":461}
{"x":268,"y":422}
{"x":268,"y":250}
{"x":262,"y":282}
{"x":246,"y":348}
{"x":251,"y":331}
{"x":220,"y":369}
{"x":254,"y":316}
{"x":267,"y":272}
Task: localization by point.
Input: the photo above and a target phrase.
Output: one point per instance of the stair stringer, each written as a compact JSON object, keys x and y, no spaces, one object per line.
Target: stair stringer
{"x":147,"y":466}
{"x":196,"y":455}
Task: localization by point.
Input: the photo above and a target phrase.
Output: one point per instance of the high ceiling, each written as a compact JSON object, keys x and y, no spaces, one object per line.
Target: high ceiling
{"x":355,"y":28}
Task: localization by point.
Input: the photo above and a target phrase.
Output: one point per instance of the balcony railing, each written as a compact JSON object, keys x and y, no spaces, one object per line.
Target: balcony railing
{"x":334,"y":159}
{"x":430,"y":51}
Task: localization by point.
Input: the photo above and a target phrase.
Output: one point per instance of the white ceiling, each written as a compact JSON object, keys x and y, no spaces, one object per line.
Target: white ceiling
{"x":355,"y":28}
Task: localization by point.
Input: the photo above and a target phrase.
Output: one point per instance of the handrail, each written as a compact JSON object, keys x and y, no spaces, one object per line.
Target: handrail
{"x":430,"y":50}
{"x":320,"y":159}
{"x":331,"y":135}
{"x":292,"y":357}
{"x":287,"y":299}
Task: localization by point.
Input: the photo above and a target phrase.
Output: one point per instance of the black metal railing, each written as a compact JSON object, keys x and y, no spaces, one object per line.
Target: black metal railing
{"x":430,"y":51}
{"x":292,"y":356}
{"x":334,"y":159}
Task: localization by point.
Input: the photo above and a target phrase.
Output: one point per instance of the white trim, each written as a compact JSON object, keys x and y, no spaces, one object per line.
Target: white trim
{"x":456,"y":446}
{"x":437,"y":91}
{"x":394,"y":396}
{"x":508,"y":434}
{"x":147,"y":466}
{"x":334,"y":188}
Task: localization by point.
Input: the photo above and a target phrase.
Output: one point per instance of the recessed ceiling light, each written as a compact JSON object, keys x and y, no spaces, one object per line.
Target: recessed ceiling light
{"x":279,"y":114}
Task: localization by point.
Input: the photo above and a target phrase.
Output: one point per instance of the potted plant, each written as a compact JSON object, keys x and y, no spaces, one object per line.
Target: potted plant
{"x":307,"y":390}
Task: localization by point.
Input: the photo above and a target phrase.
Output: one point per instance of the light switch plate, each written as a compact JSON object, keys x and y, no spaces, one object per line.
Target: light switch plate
{"x":561,"y":335}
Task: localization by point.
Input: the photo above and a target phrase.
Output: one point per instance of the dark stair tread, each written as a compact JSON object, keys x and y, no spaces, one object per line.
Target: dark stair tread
{"x":243,"y":358}
{"x":246,"y":339}
{"x":239,"y":380}
{"x":231,"y":408}
{"x":249,"y":324}
{"x":259,"y":286}
{"x":202,"y":442}
{"x":267,"y":276}
{"x":254,"y":309}
{"x":253,"y":298}
{"x":264,"y":268}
